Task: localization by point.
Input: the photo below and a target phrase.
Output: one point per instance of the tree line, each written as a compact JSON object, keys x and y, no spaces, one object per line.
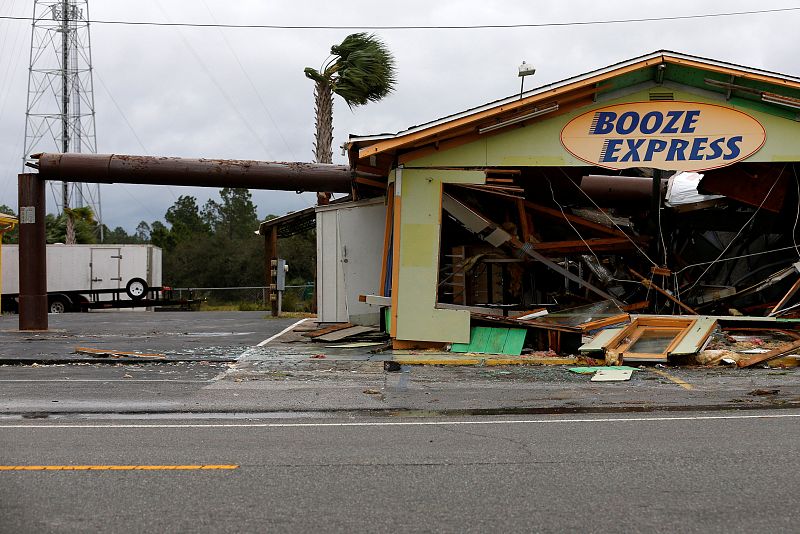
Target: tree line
{"x":210,"y":246}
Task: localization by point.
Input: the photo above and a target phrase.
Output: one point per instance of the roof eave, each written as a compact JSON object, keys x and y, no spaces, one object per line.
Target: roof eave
{"x":376,"y":144}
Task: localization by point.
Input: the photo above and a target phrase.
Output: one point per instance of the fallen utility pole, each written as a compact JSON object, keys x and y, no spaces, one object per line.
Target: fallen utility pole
{"x":152,"y":170}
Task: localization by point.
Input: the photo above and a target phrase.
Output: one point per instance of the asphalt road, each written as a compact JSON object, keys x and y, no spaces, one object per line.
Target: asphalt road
{"x":186,"y":335}
{"x":692,"y":472}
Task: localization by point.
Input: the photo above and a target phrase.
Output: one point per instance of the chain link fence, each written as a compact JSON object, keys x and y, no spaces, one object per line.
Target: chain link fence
{"x":296,"y":298}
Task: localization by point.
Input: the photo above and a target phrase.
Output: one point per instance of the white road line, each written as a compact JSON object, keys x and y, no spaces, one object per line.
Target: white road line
{"x":419,"y":423}
{"x":251,"y":349}
{"x":279,"y":334}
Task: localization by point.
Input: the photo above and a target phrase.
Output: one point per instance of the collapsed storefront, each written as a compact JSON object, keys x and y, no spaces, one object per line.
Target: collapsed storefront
{"x":667,"y":184}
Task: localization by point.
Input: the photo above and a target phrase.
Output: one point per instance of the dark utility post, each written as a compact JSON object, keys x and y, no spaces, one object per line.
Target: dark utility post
{"x":32,"y":253}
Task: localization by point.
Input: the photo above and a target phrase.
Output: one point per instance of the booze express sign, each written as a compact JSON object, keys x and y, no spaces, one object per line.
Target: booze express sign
{"x":680,"y":136}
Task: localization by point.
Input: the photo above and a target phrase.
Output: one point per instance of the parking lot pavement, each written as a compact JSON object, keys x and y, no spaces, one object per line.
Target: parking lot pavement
{"x":213,"y":363}
{"x":175,"y":335}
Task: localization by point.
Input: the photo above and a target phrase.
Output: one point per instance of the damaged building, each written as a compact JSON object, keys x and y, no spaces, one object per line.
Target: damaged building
{"x":666,"y":185}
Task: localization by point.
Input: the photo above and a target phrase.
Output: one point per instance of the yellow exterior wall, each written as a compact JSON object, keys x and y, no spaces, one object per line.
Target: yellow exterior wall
{"x":417,"y":222}
{"x":539,"y":143}
{"x":418,"y":192}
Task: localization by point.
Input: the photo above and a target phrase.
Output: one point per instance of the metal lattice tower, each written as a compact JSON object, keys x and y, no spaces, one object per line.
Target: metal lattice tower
{"x":60,"y":110}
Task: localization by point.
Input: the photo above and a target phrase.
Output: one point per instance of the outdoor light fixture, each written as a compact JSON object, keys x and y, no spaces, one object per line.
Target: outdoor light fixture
{"x":516,"y":120}
{"x":524,"y":70}
{"x":781,"y":100}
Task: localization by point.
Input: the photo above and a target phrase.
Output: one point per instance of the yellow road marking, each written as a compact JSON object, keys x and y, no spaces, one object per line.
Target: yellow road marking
{"x":676,"y":380}
{"x":113,"y":467}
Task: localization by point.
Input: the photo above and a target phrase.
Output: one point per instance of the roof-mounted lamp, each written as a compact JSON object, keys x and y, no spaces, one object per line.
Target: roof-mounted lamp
{"x":525,"y":70}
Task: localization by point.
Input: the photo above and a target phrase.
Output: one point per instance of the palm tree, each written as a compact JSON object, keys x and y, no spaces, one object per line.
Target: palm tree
{"x":360,"y":70}
{"x":76,"y":214}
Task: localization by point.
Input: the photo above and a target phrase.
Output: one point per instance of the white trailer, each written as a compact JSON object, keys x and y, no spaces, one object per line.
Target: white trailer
{"x":90,"y":276}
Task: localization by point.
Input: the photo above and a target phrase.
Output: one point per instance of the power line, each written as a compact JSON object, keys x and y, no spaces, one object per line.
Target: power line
{"x":434,"y":27}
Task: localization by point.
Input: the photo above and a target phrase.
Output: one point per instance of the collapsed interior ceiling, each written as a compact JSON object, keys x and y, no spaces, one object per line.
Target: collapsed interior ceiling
{"x":729,"y":247}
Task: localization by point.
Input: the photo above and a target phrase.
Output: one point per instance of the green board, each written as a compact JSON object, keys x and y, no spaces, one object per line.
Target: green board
{"x":488,"y":340}
{"x":387,"y":319}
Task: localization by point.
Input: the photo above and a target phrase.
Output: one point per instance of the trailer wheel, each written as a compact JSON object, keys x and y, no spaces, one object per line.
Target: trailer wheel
{"x":136,"y":288}
{"x":58,"y":305}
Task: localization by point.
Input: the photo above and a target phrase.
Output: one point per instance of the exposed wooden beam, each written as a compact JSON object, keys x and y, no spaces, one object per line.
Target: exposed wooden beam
{"x":581,"y":247}
{"x":647,"y":283}
{"x":574,"y":219}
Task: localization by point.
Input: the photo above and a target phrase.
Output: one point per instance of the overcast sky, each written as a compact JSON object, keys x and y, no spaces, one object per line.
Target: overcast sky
{"x":241,"y":93}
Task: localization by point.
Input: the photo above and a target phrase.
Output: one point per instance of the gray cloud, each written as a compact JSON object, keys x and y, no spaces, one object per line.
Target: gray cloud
{"x":184,"y":93}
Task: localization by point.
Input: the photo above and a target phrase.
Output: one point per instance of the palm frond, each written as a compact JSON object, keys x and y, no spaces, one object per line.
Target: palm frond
{"x":364,"y":69}
{"x":83,"y":213}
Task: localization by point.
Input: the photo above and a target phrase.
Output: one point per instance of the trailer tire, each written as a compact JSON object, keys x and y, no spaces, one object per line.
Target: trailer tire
{"x":136,"y":288}
{"x":58,"y":305}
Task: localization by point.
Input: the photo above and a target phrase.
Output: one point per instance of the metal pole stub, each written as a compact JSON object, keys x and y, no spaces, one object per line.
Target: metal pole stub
{"x":32,"y":253}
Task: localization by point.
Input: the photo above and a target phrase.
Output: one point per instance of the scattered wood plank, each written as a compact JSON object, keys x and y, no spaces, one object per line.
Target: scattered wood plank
{"x":346,"y":333}
{"x":100,"y":353}
{"x":771,"y":355}
{"x":524,"y":323}
{"x":327,"y":330}
{"x":789,"y":294}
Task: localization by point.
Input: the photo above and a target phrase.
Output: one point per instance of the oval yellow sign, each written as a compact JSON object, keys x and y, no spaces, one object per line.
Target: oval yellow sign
{"x":679,"y":136}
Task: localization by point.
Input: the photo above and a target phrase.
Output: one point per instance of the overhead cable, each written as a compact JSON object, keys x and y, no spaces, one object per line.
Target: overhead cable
{"x":433,"y":26}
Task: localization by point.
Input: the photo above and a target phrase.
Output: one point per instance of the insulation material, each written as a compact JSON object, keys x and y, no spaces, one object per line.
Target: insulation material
{"x":682,"y":191}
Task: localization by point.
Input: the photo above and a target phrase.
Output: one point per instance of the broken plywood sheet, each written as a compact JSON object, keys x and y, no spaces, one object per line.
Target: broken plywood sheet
{"x":487,"y":340}
{"x":590,"y":370}
{"x":327,"y":330}
{"x":345,"y":333}
{"x":612,"y":374}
